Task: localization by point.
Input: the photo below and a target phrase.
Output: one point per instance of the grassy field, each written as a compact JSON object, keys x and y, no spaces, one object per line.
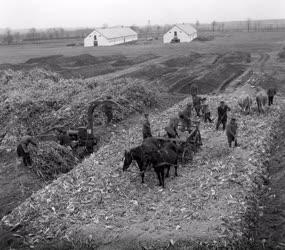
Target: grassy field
{"x":251,"y":42}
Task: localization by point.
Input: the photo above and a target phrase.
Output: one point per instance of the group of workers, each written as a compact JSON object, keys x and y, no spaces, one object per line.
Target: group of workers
{"x":184,"y":119}
{"x":202,"y":110}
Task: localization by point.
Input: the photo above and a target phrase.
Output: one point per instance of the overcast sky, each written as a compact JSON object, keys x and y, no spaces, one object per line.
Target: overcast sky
{"x":91,"y":13}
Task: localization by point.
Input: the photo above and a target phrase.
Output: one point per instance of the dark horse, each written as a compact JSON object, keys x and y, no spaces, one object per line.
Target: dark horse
{"x":158,"y":158}
{"x":164,"y":158}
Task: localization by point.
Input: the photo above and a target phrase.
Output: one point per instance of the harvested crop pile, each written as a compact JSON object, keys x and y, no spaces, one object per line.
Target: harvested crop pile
{"x":212,"y":77}
{"x":35,"y":101}
{"x":208,"y":203}
{"x":151,"y":72}
{"x":235,"y":57}
{"x":183,"y":61}
{"x":51,"y":159}
{"x":204,"y":38}
{"x":81,"y":66}
{"x":124,"y":61}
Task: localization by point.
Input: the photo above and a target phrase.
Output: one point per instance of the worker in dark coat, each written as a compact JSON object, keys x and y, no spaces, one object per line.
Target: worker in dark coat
{"x":23,"y":150}
{"x":146,"y":127}
{"x":197,"y":100}
{"x":206,"y":112}
{"x":222,"y":115}
{"x":231,"y":132}
{"x":171,"y":128}
{"x":108,"y":110}
{"x":185,"y":121}
{"x":271,"y":92}
{"x":188,"y":110}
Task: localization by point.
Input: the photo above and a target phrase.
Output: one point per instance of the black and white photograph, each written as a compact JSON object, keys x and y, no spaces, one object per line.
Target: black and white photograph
{"x":142,"y":125}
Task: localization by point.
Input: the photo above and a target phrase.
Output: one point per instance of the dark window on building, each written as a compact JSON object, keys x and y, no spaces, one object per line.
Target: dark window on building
{"x":175,"y":33}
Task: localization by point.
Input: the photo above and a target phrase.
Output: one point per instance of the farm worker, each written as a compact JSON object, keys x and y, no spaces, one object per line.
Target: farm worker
{"x":146,"y":127}
{"x":171,"y":129}
{"x":206,"y":113}
{"x":271,"y":92}
{"x":188,"y":110}
{"x":108,"y":110}
{"x":231,"y":132}
{"x":194,"y":90}
{"x":197,"y":104}
{"x":23,"y":150}
{"x":222,"y":115}
{"x":185,"y":121}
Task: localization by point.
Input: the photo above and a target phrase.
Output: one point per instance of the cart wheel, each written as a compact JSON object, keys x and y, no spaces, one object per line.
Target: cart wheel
{"x":187,"y":156}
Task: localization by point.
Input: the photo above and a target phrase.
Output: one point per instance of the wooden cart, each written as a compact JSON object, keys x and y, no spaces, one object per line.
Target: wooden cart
{"x":188,"y":144}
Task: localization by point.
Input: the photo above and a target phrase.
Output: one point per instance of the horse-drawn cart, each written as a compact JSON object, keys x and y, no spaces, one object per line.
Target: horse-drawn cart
{"x":188,"y":142}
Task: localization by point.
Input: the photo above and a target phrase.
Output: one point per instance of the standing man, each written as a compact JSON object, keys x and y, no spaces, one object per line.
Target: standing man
{"x":108,"y":110}
{"x":171,"y":129}
{"x":231,"y":132}
{"x":271,"y":92}
{"x":197,"y":104}
{"x":206,"y":113}
{"x":222,"y":115}
{"x":23,"y":150}
{"x":146,"y":127}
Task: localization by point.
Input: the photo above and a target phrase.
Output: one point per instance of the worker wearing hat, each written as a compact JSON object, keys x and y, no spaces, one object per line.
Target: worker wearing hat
{"x":146,"y":130}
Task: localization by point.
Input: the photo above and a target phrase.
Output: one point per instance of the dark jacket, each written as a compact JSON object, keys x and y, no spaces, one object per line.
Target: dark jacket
{"x":271,"y":92}
{"x":197,"y":101}
{"x":222,"y":112}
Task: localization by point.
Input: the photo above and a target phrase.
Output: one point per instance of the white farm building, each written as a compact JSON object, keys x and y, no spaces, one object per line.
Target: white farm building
{"x":180,"y":33}
{"x":110,"y":36}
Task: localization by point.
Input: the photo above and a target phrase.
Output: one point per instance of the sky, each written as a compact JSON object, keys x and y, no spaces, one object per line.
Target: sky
{"x":17,"y":14}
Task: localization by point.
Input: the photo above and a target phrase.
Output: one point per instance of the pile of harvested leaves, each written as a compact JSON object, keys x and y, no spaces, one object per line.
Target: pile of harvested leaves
{"x":51,"y":159}
{"x":38,"y":100}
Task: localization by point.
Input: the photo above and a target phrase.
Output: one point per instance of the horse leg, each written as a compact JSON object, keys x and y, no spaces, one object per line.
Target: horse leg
{"x":176,"y":167}
{"x":162,"y":176}
{"x":167,"y":173}
{"x":142,"y":175}
{"x":158,"y":176}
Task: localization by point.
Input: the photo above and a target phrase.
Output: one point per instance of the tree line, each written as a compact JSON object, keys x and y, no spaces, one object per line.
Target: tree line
{"x":147,"y":31}
{"x":10,"y":37}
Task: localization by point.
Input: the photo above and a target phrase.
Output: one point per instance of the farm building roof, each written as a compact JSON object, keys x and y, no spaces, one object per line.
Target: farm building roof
{"x":116,"y":32}
{"x":187,"y":28}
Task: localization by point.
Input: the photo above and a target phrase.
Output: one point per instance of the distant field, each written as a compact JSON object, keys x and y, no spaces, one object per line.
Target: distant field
{"x":250,"y":42}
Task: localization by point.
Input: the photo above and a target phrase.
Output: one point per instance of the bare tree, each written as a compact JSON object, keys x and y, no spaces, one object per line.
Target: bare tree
{"x":32,"y":34}
{"x":8,"y":37}
{"x":214,"y":23}
{"x":197,"y":24}
{"x":248,"y":24}
{"x":17,"y":37}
